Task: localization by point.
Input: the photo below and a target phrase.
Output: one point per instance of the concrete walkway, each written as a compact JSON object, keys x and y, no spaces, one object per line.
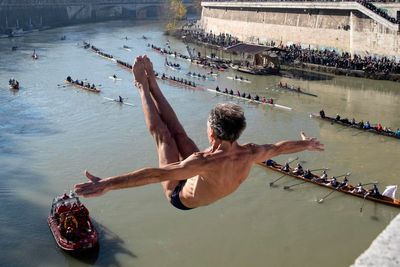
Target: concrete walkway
{"x":385,"y":249}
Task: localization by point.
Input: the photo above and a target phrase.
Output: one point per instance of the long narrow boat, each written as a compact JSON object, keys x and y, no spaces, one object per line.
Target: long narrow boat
{"x":250,"y":100}
{"x":180,"y":84}
{"x":295,"y":90}
{"x":270,"y":164}
{"x":94,"y":90}
{"x":119,"y":102}
{"x":356,"y":126}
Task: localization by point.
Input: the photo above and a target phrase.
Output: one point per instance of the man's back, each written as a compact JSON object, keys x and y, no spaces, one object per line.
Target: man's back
{"x":222,"y":172}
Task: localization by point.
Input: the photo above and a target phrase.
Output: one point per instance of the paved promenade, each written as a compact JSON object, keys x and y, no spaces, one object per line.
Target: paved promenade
{"x":384,"y":250}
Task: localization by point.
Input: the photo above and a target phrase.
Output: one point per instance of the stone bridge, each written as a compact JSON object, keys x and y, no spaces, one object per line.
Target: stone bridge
{"x":41,"y":13}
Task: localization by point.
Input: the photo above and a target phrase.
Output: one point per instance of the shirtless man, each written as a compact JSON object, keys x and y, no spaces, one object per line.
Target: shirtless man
{"x":191,"y":178}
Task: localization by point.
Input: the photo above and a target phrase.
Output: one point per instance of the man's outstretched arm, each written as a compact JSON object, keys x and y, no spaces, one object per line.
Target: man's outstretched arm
{"x":188,"y":168}
{"x":287,"y":147}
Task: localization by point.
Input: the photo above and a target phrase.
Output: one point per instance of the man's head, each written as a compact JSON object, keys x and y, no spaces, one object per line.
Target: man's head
{"x":227,"y":121}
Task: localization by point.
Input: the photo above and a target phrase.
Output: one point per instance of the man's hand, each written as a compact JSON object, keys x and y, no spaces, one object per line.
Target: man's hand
{"x":139,"y":71}
{"x":96,"y":187}
{"x":313,"y":143}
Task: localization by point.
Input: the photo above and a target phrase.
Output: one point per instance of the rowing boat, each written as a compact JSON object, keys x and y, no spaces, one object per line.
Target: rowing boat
{"x":270,"y":164}
{"x":356,"y":126}
{"x":238,"y":79}
{"x":116,"y":100}
{"x":292,"y":89}
{"x":175,"y":68}
{"x":250,"y":100}
{"x":178,"y":83}
{"x":94,"y":90}
{"x":114,"y":79}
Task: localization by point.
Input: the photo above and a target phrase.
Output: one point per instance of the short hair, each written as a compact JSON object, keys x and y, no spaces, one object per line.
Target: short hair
{"x":227,"y":121}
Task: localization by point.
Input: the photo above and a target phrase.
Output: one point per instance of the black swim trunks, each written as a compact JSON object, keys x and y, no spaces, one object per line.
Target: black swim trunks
{"x":175,"y":200}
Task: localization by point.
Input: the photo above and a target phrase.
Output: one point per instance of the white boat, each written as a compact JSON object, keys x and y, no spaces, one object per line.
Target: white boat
{"x":173,"y":68}
{"x":116,"y":100}
{"x":250,"y":100}
{"x":244,"y":80}
{"x":127,"y":48}
{"x":114,"y":79}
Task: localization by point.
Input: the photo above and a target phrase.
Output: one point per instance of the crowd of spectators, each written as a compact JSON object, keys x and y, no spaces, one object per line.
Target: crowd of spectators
{"x":344,"y":60}
{"x":378,"y":11}
{"x":222,"y":39}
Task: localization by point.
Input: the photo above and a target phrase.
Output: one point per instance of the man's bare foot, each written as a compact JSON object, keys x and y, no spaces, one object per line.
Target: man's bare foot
{"x":139,"y":72}
{"x":148,"y":66}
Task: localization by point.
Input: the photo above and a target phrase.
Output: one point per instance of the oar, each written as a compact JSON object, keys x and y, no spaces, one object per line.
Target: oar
{"x":271,"y":183}
{"x":366,"y":194}
{"x":325,"y":169}
{"x":362,"y":206}
{"x":287,"y":187}
{"x":336,"y":188}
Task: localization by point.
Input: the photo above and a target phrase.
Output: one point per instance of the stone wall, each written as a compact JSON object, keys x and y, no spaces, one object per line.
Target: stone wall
{"x":341,"y":29}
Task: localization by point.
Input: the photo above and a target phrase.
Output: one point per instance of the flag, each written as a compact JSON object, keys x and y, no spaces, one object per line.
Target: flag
{"x":390,"y":191}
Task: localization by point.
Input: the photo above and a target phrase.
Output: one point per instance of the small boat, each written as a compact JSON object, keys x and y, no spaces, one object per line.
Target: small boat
{"x":127,"y":48}
{"x":119,"y":101}
{"x":90,"y":89}
{"x":14,"y":86}
{"x":250,"y":100}
{"x":356,"y":125}
{"x":114,"y":78}
{"x":349,"y":189}
{"x":71,"y":225}
{"x":295,"y":90}
{"x":239,"y":79}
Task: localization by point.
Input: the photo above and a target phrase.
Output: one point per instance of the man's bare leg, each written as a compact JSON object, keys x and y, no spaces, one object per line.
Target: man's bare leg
{"x":166,"y":145}
{"x":186,"y":146}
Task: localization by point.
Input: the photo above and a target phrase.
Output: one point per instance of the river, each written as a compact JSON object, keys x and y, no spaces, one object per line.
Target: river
{"x":50,"y":133}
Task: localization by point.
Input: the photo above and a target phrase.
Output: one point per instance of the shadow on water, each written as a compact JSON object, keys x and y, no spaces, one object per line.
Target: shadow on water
{"x":105,"y":254}
{"x":305,"y":75}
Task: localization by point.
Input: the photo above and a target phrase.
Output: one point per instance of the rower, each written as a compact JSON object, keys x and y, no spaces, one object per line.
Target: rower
{"x":359,"y":189}
{"x":353,"y":121}
{"x":286,"y":167}
{"x":307,"y":174}
{"x":397,"y":132}
{"x":337,"y":117}
{"x":231,"y":92}
{"x":238,"y":93}
{"x":323,"y":177}
{"x":271,"y":101}
{"x":322,"y":113}
{"x":226,"y":90}
{"x":115,"y":76}
{"x":93,"y":86}
{"x":249,"y":96}
{"x":163,"y":76}
{"x":298,"y":170}
{"x":257,"y":98}
{"x":374,"y":192}
{"x":379,"y":128}
{"x":243,"y":94}
{"x":367,"y":125}
{"x":334,"y":182}
{"x":361,"y":124}
{"x":345,"y":182}
{"x":120,"y":99}
{"x":69,"y":79}
{"x":264,"y":100}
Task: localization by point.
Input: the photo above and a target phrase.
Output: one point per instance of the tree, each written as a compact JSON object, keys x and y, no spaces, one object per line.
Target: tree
{"x":177,"y":12}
